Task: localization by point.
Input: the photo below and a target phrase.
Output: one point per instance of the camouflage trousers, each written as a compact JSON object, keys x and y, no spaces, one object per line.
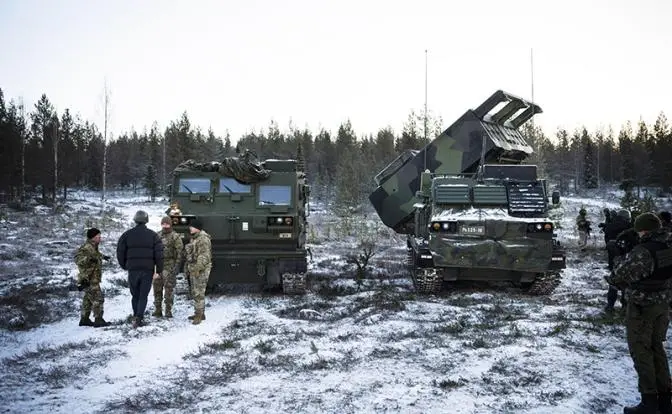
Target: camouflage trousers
{"x":198,"y":285}
{"x":163,"y":288}
{"x":646,"y":329}
{"x":583,"y":238}
{"x":93,"y":301}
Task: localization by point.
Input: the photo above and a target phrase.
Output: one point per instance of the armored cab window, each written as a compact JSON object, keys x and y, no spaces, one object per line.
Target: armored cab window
{"x":273,"y":195}
{"x":231,"y":186}
{"x":194,"y":185}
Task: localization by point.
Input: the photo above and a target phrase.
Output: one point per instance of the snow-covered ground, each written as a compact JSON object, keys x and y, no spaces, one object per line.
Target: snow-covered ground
{"x":341,"y":348}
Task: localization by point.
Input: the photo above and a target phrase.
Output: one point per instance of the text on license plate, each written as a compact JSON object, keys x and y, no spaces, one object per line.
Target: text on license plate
{"x":472,"y":229}
{"x":285,"y":235}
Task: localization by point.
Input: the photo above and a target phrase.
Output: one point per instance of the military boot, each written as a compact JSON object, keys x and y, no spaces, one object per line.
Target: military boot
{"x":191,"y":318}
{"x":85,"y":321}
{"x":169,"y":311}
{"x":665,"y":403}
{"x":157,"y":311}
{"x":648,"y":405}
{"x":198,"y":318}
{"x":100,"y":322}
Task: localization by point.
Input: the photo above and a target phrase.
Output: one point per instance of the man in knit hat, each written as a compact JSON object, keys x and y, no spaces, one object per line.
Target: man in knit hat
{"x":199,"y":264}
{"x":89,"y":263}
{"x":140,"y":252}
{"x":646,"y":275}
{"x":172,"y":255}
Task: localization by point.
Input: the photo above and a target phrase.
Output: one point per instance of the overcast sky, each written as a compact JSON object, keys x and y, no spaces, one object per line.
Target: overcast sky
{"x":235,"y":65}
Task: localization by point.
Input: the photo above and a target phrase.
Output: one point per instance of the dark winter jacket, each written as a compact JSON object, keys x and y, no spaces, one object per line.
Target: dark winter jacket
{"x":615,"y":227}
{"x":140,"y":249}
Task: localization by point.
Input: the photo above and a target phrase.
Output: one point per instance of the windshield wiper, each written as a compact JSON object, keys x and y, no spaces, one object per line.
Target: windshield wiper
{"x":227,"y":188}
{"x":267,"y":202}
{"x":188,"y":189}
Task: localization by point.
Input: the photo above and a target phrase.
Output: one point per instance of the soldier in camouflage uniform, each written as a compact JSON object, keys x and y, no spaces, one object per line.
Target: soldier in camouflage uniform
{"x":89,"y":262}
{"x":666,"y":220}
{"x":199,"y":264}
{"x":172,"y":255}
{"x":645,"y":273}
{"x":583,"y":226}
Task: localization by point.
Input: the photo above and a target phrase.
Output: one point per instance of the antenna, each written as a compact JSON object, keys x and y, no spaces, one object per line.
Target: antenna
{"x":532,"y":74}
{"x":425,"y":128}
{"x":534,"y":131}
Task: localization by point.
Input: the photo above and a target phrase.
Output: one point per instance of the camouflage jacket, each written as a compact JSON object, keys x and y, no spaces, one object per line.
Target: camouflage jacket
{"x":582,"y":223}
{"x":638,"y":265}
{"x":172,"y":248}
{"x":89,"y":262}
{"x":199,"y":254}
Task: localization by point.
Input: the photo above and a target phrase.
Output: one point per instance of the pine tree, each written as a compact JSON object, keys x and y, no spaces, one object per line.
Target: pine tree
{"x":410,"y":138}
{"x":625,"y":147}
{"x":151,"y":183}
{"x":589,"y":158}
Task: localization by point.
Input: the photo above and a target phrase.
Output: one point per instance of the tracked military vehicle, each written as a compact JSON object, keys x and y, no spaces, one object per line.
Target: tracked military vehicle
{"x":470,"y":208}
{"x":256,"y":215}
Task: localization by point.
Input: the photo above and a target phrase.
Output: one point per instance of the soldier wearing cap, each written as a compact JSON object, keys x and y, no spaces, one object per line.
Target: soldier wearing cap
{"x":199,"y":264}
{"x":646,"y":273}
{"x":164,"y":283}
{"x":89,"y":263}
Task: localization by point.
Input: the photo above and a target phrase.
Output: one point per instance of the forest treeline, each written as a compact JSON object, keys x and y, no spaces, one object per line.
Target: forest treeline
{"x":44,"y":153}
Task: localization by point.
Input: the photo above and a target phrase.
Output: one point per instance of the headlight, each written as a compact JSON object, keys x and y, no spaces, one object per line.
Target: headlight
{"x":538,"y":226}
{"x":183,"y":220}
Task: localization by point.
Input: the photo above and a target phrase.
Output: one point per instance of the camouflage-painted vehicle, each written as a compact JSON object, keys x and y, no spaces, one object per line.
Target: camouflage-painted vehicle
{"x":256,"y":215}
{"x":469,"y":207}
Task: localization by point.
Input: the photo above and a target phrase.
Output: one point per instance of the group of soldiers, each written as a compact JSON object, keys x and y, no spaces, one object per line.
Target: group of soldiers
{"x":640,"y":263}
{"x":153,"y":260}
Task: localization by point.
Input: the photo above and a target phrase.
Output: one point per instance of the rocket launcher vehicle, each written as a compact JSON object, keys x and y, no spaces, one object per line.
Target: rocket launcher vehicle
{"x":488,"y":134}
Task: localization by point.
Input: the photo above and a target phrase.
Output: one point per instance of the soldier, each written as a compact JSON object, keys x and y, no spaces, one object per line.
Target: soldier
{"x":140,"y":252}
{"x":619,"y":223}
{"x":172,"y":255}
{"x":583,"y":225}
{"x":666,"y":220}
{"x":89,"y":262}
{"x":199,"y":264}
{"x":624,"y":243}
{"x":607,"y":220}
{"x":645,"y":273}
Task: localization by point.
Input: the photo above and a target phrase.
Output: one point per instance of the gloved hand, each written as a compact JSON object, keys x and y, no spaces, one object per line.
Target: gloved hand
{"x":83,"y":285}
{"x":610,"y":281}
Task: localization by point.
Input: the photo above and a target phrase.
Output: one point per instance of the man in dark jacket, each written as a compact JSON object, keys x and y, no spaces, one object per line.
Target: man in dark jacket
{"x":619,"y":223}
{"x":645,"y":272}
{"x":666,"y":220}
{"x":140,"y":252}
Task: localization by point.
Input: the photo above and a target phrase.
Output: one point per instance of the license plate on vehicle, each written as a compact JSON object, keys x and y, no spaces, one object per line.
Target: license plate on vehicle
{"x":285,"y":235}
{"x":477,"y":230}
